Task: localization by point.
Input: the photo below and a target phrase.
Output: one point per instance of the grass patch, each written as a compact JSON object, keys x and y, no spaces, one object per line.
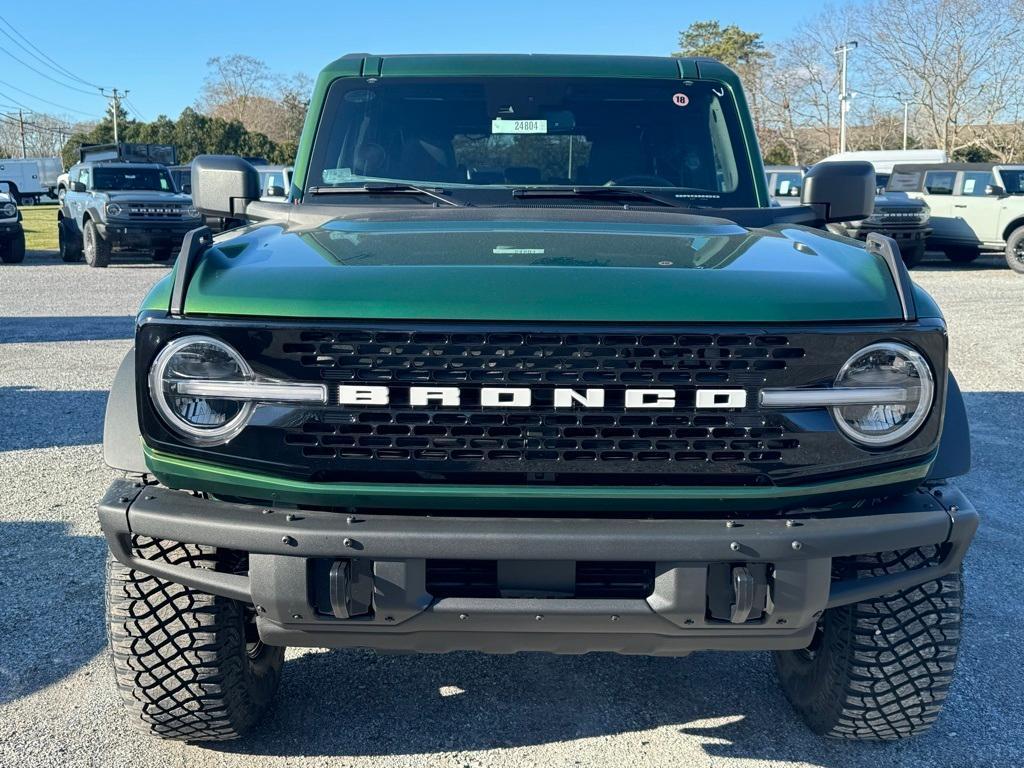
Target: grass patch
{"x":40,"y":222}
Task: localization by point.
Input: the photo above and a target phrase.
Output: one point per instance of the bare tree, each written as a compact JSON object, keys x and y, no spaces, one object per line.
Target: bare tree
{"x":963,"y":61}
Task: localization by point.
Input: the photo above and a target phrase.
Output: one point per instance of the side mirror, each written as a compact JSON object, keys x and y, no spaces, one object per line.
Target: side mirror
{"x":186,"y":189}
{"x":994,"y":190}
{"x":274,"y":191}
{"x":77,"y":186}
{"x":223,"y":185}
{"x":840,"y":191}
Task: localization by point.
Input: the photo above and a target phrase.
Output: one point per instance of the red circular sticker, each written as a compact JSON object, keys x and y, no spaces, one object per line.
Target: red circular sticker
{"x":680,"y":99}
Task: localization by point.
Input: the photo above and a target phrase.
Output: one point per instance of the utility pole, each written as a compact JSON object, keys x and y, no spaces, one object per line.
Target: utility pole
{"x":843,"y":51}
{"x":115,"y":97}
{"x":21,"y":123}
{"x":906,"y":122}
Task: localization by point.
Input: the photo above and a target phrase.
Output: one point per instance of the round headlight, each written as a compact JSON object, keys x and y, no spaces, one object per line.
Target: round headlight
{"x":113,"y":209}
{"x":192,"y":212}
{"x":906,"y":390}
{"x":179,"y":368}
{"x":10,"y":209}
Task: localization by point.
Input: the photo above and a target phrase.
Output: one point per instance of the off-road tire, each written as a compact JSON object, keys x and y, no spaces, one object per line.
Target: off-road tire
{"x":97,"y":250}
{"x":13,"y":251}
{"x":912,"y":256}
{"x":1015,"y":250}
{"x":879,"y":670}
{"x":188,"y":664}
{"x":962,"y":255}
{"x":69,"y":247}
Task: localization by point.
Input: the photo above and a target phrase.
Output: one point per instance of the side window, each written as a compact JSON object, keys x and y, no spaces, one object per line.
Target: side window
{"x":904,"y":181}
{"x":83,"y":176}
{"x":975,"y":183}
{"x":939,"y":182}
{"x":788,"y":184}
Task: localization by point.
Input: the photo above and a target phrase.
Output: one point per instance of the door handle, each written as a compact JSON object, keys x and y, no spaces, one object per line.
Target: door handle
{"x":959,"y":206}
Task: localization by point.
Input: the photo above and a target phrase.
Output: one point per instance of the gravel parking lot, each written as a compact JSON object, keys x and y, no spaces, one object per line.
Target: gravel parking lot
{"x":63,"y":330}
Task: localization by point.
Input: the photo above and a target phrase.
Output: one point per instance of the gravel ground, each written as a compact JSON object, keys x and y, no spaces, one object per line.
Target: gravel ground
{"x":64,"y":329}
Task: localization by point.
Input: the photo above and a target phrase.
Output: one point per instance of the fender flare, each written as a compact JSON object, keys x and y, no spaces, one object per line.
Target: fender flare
{"x":122,"y":438}
{"x":954,"y":455}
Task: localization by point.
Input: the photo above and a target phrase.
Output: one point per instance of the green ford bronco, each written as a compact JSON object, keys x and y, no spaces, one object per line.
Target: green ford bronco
{"x":527,"y":361}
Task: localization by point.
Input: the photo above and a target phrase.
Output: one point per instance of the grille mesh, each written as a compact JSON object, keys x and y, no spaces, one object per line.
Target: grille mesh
{"x":537,"y":434}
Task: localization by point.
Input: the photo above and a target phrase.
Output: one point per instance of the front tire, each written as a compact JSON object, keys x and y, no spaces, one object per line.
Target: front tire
{"x":189,"y":665}
{"x":1015,"y":250}
{"x":13,"y":251}
{"x":97,"y":250}
{"x":70,"y":250}
{"x":879,"y":670}
{"x":912,"y":256}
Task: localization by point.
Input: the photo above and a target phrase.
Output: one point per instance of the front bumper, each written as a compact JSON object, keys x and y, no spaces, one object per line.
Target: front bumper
{"x":905,"y":237}
{"x":10,"y":229}
{"x":372,"y":569}
{"x":142,"y":234}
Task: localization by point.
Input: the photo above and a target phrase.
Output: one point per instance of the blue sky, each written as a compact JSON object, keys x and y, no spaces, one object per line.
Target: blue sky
{"x":129,"y":45}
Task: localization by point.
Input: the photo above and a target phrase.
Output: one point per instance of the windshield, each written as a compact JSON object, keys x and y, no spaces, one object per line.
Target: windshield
{"x":682,"y":137}
{"x":1013,"y":180}
{"x":135,"y":179}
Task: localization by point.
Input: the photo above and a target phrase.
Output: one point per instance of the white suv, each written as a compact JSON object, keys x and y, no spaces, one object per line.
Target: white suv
{"x":975,"y":207}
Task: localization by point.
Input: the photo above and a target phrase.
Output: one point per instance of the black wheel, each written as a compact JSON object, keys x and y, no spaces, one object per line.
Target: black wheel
{"x":962,"y":255}
{"x":13,"y":251}
{"x":879,"y":670}
{"x":97,"y":250}
{"x":1015,"y":250}
{"x":912,"y":256}
{"x":70,"y":249}
{"x":189,"y":666}
{"x":160,"y":254}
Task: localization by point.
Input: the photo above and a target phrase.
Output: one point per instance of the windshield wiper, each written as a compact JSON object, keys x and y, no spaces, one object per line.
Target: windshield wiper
{"x":596,"y":193}
{"x":386,"y":188}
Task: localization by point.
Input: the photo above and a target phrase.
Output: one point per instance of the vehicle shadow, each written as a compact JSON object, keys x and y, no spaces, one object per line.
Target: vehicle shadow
{"x":42,"y":418}
{"x":47,"y":258}
{"x":936,"y":261}
{"x":21,"y":330}
{"x":51,"y":605}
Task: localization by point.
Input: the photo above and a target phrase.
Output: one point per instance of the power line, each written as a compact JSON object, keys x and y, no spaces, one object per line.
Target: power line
{"x":47,"y":101}
{"x":42,"y":56}
{"x":131,"y":105}
{"x":43,"y":74}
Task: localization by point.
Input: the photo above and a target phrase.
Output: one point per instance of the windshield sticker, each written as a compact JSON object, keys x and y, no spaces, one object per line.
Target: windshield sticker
{"x":337,"y":175}
{"x":519,"y":126}
{"x":680,"y":99}
{"x":508,"y":250}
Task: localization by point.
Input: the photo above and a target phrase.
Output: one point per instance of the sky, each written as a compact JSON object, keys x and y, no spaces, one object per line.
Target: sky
{"x":158,"y":51}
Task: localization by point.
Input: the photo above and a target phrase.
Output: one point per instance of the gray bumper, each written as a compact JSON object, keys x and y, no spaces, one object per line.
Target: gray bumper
{"x":288,"y":547}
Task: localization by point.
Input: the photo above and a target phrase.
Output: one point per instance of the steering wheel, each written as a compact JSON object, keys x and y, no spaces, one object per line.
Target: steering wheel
{"x":639,"y":180}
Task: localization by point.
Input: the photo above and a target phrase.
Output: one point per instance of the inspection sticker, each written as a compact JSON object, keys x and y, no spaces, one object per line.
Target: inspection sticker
{"x":519,"y":126}
{"x":680,"y":99}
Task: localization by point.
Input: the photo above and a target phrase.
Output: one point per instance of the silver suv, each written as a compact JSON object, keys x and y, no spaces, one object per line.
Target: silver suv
{"x":975,"y":207}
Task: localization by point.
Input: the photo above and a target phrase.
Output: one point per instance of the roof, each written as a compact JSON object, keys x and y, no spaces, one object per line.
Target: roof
{"x":522,"y":65}
{"x":911,"y":167}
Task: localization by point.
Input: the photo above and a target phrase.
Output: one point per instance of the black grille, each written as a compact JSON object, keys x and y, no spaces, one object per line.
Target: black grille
{"x":542,"y":361}
{"x":155,"y":210}
{"x":541,"y":444}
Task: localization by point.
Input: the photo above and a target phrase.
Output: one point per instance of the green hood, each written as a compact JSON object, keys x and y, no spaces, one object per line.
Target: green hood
{"x":537,"y":265}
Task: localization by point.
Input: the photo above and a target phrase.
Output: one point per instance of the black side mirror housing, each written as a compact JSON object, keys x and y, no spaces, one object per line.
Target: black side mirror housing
{"x":994,"y":190}
{"x":223,"y":185}
{"x":840,"y":191}
{"x":77,"y":186}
